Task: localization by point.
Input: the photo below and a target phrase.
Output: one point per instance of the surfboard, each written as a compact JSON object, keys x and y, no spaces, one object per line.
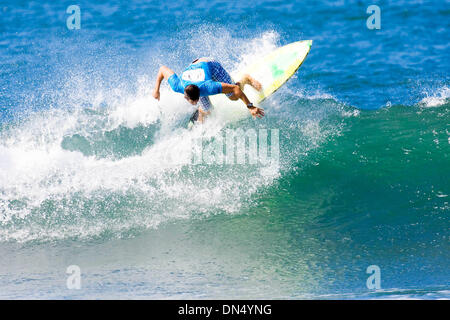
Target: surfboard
{"x":272,"y":71}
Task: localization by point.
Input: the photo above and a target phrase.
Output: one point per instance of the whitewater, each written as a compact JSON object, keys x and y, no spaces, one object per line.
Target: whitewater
{"x":96,"y":173}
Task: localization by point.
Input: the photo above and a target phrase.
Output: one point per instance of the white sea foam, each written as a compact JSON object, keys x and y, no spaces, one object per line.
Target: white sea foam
{"x":50,"y":192}
{"x":437,"y":98}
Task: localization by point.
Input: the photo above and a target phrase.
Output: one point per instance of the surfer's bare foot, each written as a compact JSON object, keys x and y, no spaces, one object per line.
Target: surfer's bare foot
{"x":248,"y":79}
{"x":255,"y":84}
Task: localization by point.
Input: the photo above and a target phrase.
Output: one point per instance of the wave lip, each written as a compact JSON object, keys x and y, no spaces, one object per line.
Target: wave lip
{"x":439,"y":98}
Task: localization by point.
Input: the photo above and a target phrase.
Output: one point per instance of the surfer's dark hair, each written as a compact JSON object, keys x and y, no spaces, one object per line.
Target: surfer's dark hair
{"x":192,"y":91}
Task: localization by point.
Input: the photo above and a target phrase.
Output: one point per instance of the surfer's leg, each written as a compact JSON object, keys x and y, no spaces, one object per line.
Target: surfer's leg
{"x":218,"y":73}
{"x":248,"y":79}
{"x":204,"y":108}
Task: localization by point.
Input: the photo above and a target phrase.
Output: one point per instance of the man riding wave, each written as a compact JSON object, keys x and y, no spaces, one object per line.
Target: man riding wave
{"x":205,"y":77}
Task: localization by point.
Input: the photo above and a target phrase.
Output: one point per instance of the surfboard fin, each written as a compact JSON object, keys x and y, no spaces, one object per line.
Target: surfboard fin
{"x":193,"y":119}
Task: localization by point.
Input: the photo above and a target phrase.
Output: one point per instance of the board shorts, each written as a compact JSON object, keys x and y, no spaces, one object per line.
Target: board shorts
{"x":219,"y":74}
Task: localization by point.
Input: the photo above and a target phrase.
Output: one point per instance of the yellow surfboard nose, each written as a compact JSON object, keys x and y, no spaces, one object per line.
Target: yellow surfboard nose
{"x":271,"y":70}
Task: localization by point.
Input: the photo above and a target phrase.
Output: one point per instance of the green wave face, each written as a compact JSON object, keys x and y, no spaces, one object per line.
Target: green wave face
{"x":353,"y":189}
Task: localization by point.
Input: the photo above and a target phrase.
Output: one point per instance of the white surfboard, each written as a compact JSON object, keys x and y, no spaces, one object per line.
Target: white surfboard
{"x":272,"y":71}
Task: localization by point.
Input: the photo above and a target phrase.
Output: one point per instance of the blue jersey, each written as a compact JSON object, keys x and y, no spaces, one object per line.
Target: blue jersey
{"x":198,"y":74}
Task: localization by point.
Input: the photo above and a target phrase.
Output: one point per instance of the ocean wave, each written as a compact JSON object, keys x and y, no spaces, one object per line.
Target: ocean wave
{"x":437,"y":98}
{"x":95,"y":162}
{"x":94,"y":158}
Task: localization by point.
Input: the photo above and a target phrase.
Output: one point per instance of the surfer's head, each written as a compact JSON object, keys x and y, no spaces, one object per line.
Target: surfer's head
{"x":192,"y":94}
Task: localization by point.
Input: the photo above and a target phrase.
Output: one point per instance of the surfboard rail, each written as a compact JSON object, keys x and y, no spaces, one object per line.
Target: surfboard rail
{"x":272,"y":71}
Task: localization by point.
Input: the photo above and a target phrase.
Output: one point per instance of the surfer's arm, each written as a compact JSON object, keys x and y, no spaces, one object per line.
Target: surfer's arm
{"x":163,"y":73}
{"x":239,"y":94}
{"x":236,"y":91}
{"x":202,"y":114}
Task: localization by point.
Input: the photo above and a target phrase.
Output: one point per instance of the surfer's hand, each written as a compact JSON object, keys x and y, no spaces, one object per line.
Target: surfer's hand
{"x":156,"y":94}
{"x":256,"y":112}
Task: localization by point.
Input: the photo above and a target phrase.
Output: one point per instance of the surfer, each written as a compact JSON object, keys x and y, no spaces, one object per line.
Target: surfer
{"x":205,"y":77}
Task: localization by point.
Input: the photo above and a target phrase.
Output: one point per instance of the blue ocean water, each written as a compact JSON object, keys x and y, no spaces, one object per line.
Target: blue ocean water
{"x":364,"y":153}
